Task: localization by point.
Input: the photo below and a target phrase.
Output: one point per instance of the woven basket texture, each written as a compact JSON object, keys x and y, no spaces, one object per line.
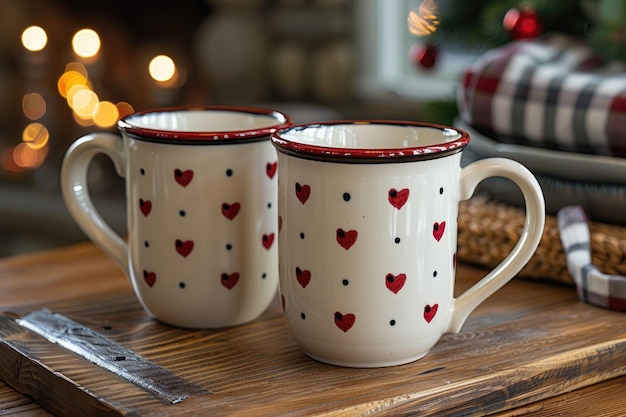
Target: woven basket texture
{"x":488,"y":231}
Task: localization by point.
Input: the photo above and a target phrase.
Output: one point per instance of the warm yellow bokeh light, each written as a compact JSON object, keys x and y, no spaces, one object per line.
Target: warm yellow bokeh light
{"x":71,"y":93}
{"x":84,"y":102}
{"x":70,"y":79}
{"x":79,"y":67}
{"x":34,"y":38}
{"x":33,"y":106}
{"x":124,"y":108}
{"x":26,"y":157}
{"x":35,"y":135}
{"x":105,"y":114}
{"x":86,"y":43}
{"x":84,"y":122}
{"x":424,"y":21}
{"x":162,"y":68}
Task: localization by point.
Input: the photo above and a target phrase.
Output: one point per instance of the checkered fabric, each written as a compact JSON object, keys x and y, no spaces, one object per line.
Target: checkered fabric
{"x":594,"y":287}
{"x":552,"y":93}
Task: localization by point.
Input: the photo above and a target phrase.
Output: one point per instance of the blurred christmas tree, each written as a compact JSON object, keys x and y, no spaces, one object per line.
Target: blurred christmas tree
{"x":479,"y":25}
{"x":608,"y":36}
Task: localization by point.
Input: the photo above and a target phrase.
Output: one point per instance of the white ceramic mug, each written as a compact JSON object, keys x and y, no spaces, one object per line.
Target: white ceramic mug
{"x":368,"y":237}
{"x":201,"y":190}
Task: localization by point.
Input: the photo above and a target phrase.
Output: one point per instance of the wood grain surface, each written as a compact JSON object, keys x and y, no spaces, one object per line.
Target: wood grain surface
{"x":516,"y":354}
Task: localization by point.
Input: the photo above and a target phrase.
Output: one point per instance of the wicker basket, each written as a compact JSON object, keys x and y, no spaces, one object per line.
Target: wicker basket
{"x":489,"y":230}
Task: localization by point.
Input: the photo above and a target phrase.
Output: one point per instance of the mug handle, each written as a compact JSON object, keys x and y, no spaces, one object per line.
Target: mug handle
{"x":76,"y":193}
{"x":471,"y":176}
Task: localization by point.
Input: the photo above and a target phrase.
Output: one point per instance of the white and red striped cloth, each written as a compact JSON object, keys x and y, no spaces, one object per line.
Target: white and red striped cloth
{"x":552,"y":92}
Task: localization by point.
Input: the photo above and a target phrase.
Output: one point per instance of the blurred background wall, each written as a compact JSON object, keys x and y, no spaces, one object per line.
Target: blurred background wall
{"x":71,"y":67}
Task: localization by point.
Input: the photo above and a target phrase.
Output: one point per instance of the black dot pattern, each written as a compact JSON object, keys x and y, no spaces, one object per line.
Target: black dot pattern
{"x":184,"y":175}
{"x":393,"y":283}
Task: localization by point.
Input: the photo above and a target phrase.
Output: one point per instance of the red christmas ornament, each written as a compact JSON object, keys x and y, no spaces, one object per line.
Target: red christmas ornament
{"x":424,"y":56}
{"x":522,"y":23}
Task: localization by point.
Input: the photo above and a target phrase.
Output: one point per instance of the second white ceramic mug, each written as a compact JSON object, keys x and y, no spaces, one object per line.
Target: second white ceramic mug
{"x":367,"y":241}
{"x":201,"y":190}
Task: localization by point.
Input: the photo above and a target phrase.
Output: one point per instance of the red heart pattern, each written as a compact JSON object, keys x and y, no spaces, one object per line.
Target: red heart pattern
{"x":183,"y":177}
{"x":268,"y":240}
{"x":229,"y":280}
{"x":430,"y":311}
{"x":270,"y":169}
{"x":346,"y":238}
{"x":394,"y":283}
{"x":230,"y":211}
{"x":145,"y":206}
{"x":438,"y":229}
{"x":303,"y":277}
{"x":398,"y":198}
{"x":184,"y":248}
{"x":303,"y":192}
{"x":344,"y":321}
{"x":149,"y":277}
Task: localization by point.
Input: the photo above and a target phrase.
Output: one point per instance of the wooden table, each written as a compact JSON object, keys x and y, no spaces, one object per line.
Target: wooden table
{"x":531,"y":349}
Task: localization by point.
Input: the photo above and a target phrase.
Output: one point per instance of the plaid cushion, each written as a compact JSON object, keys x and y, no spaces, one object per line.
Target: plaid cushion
{"x":551,"y":92}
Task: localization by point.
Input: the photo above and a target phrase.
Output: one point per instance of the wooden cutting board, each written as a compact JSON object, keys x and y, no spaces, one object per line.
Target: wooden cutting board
{"x":528,"y":342}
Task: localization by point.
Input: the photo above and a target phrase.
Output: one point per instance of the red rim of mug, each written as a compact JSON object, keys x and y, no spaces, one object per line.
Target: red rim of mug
{"x":361,"y":155}
{"x":171,"y":136}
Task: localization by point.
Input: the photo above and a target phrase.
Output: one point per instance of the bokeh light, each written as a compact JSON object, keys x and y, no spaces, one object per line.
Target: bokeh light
{"x":84,"y":122}
{"x":424,"y":21}
{"x":83,"y":102}
{"x":34,"y":38}
{"x":86,"y":43}
{"x":70,"y":79}
{"x":162,"y":68}
{"x":6,"y":158}
{"x":105,"y":114}
{"x":33,"y":106}
{"x":79,"y":67}
{"x":35,"y":135}
{"x":124,"y":109}
{"x":26,"y":157}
